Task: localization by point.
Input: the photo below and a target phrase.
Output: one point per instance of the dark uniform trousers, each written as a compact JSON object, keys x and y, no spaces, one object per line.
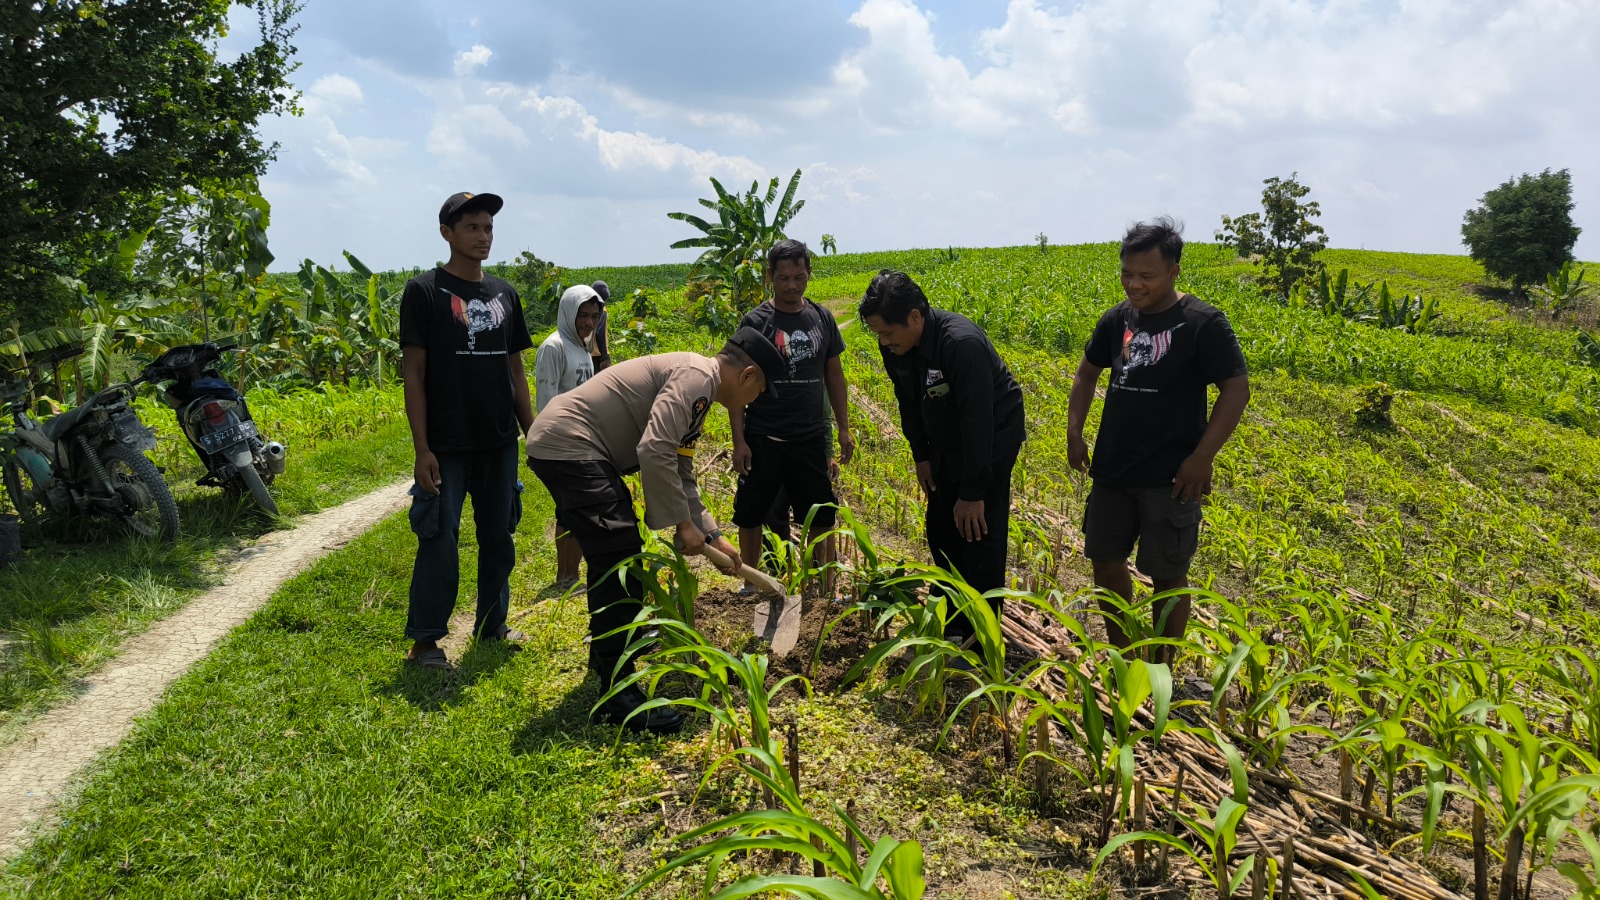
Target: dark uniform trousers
{"x":982,"y":563}
{"x":594,"y":505}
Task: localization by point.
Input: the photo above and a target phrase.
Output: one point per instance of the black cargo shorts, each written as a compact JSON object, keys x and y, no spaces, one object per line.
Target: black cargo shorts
{"x":1167,"y":530}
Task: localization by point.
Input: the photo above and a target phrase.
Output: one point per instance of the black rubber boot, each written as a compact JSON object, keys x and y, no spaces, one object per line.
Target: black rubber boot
{"x":662,"y":720}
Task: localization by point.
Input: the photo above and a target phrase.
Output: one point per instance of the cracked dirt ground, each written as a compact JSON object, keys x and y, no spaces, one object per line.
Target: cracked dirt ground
{"x":42,"y":764}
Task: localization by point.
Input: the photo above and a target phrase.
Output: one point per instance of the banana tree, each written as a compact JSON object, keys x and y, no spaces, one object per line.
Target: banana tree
{"x":735,"y":244}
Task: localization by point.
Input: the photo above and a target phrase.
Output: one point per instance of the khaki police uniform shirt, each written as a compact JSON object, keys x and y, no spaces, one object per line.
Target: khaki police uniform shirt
{"x":641,"y":415}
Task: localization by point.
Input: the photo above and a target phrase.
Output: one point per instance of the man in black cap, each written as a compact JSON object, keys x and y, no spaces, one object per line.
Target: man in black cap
{"x":643,"y":415}
{"x":461,"y":337}
{"x":600,"y":344}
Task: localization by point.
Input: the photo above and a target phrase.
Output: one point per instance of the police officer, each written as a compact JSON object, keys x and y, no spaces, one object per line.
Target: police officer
{"x":961,"y":412}
{"x":643,"y":415}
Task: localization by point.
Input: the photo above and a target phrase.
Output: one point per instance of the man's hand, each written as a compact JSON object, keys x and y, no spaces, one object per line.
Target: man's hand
{"x":691,"y":538}
{"x":731,"y":552}
{"x":847,"y":446}
{"x":1193,"y":480}
{"x":970,"y":521}
{"x":1077,"y":453}
{"x":833,"y":468}
{"x":427,"y":472}
{"x":741,"y":458}
{"x":925,"y":476}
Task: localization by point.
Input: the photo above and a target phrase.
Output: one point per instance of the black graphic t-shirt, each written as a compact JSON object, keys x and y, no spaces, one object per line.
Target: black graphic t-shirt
{"x":469,"y":329}
{"x":807,"y":339}
{"x":1155,"y":407}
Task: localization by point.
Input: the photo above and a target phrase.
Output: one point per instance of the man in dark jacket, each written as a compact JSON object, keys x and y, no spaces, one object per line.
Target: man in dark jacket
{"x":961,"y":411}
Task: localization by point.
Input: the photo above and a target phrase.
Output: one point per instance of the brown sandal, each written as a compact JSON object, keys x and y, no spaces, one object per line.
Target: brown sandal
{"x":432,"y":658}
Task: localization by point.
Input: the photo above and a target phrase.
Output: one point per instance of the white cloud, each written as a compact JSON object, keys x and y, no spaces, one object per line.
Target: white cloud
{"x":901,"y":80}
{"x":469,"y":61}
{"x":328,"y":100}
{"x":621,"y":150}
{"x":332,"y":95}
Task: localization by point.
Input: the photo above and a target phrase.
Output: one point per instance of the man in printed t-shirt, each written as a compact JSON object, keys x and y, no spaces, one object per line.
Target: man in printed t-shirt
{"x":780,"y":444}
{"x":462,"y":336}
{"x":1154,"y":452}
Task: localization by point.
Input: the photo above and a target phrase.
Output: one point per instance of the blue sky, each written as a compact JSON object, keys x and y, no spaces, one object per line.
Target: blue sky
{"x":920,"y":123}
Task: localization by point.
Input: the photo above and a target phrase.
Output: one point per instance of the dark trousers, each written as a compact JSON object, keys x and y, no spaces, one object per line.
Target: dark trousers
{"x":982,"y":562}
{"x":597,"y":509}
{"x":490,"y":478}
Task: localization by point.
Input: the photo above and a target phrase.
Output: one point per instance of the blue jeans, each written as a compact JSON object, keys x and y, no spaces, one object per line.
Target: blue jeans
{"x":490,"y":477}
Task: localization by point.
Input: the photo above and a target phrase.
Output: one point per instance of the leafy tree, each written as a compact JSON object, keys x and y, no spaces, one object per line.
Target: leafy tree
{"x":735,"y":246}
{"x":829,"y":245}
{"x":540,"y":285}
{"x":1522,"y":231}
{"x":1282,"y":235}
{"x":112,"y":108}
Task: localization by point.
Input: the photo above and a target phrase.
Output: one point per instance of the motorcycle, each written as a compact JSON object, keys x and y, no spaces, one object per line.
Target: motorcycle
{"x":217,"y":422}
{"x":89,"y":460}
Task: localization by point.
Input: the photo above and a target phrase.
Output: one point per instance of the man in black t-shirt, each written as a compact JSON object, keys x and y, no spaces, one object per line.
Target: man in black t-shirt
{"x":1153,"y":455}
{"x":462,"y":336}
{"x":780,"y":443}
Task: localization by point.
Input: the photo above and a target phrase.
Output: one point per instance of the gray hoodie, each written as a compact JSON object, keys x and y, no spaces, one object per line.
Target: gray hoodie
{"x":563,"y":361}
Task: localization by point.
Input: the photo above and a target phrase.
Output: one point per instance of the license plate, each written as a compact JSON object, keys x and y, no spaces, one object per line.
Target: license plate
{"x":226,"y":437}
{"x":218,"y":440}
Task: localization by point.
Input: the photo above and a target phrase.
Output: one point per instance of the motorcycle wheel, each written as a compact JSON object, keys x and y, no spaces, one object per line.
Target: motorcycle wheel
{"x":21,"y":490}
{"x":134,"y":470}
{"x":258,"y":489}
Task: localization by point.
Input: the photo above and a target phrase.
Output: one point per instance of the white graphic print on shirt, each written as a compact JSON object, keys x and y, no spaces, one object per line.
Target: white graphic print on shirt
{"x":1141,"y":349}
{"x":798,"y":346}
{"x":478,"y":316}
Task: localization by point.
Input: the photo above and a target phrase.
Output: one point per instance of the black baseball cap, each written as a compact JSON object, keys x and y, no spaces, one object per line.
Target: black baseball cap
{"x":763,"y":354}
{"x":466,"y":201}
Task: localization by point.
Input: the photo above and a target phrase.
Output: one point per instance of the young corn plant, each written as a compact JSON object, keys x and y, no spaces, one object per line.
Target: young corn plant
{"x":1507,"y":770}
{"x":1548,"y":815}
{"x":1573,"y":675}
{"x":733,"y":693}
{"x":1217,"y":833}
{"x":896,"y":864}
{"x":1241,"y":655}
{"x":918,"y":625}
{"x":1109,"y":736}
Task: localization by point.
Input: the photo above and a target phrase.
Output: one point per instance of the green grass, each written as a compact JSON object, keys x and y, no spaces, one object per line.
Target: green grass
{"x":85,"y":586}
{"x":302,"y":758}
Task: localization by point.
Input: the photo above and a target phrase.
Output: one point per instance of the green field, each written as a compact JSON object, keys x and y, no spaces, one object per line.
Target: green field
{"x":1420,"y":595}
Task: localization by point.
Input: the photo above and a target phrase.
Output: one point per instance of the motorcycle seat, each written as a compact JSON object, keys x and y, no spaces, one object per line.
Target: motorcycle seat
{"x":56,"y":427}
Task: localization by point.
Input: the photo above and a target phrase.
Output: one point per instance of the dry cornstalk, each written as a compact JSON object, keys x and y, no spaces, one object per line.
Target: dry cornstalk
{"x":1041,"y":763}
{"x":1480,"y":855}
{"x":1346,"y":786}
{"x":1138,"y":823}
{"x":1172,"y":826}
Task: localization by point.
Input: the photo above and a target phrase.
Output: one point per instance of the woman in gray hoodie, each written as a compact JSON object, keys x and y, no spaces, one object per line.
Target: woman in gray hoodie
{"x":563,"y":363}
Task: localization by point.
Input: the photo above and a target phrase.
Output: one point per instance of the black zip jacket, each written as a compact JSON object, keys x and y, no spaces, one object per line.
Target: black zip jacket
{"x":959,"y":405}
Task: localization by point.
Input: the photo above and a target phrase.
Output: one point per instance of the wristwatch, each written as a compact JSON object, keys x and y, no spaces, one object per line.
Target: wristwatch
{"x":713,"y":534}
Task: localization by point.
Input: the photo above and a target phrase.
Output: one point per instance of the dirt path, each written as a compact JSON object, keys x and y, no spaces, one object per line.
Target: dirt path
{"x":41,"y":765}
